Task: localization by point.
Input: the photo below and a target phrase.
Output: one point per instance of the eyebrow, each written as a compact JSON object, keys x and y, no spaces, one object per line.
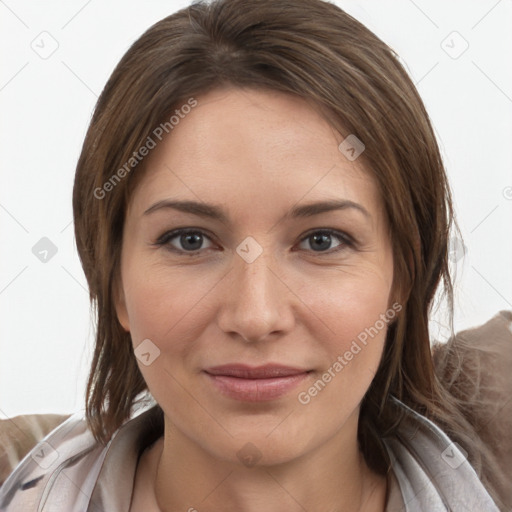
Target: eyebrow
{"x":216,"y":212}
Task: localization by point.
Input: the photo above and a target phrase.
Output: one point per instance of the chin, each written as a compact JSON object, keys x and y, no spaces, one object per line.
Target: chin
{"x":264,"y":442}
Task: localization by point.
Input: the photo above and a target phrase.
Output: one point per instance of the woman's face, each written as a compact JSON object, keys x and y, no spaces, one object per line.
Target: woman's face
{"x":258,"y":333}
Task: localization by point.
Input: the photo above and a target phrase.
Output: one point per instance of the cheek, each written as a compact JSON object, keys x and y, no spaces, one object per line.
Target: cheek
{"x":357,"y":316}
{"x":158,"y":300}
{"x":356,"y":313}
{"x":350,"y":303}
{"x":168,"y":307}
{"x":159,"y":303}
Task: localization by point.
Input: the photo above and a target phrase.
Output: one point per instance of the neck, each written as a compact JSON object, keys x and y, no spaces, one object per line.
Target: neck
{"x":189,"y":478}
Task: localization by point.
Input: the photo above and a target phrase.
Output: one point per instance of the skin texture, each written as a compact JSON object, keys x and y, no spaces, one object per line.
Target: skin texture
{"x":256,"y":154}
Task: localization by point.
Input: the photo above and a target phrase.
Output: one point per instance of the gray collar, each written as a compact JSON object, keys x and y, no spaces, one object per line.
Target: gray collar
{"x":432,"y":471}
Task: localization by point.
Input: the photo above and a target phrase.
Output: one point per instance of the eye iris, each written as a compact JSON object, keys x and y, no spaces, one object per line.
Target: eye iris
{"x":195,"y":238}
{"x":322,"y":241}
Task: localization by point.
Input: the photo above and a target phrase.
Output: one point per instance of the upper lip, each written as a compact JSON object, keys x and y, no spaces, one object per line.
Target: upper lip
{"x":243,"y":371}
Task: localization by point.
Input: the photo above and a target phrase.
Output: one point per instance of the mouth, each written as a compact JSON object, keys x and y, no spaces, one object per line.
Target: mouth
{"x":255,"y":384}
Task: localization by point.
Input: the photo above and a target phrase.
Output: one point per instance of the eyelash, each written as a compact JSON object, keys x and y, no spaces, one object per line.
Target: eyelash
{"x":346,"y":240}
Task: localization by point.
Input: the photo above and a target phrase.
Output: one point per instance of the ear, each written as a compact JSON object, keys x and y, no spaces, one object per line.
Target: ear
{"x":120,"y":304}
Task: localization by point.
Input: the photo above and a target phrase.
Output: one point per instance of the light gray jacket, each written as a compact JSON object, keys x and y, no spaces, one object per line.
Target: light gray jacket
{"x":69,"y":472}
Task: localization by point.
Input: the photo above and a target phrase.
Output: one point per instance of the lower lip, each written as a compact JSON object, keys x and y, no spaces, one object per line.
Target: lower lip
{"x":256,"y":390}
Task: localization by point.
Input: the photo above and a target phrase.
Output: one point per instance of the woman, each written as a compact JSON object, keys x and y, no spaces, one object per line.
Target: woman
{"x":262,"y":215}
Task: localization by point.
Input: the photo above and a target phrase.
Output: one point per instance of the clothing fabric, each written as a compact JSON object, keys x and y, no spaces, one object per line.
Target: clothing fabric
{"x":68,"y":471}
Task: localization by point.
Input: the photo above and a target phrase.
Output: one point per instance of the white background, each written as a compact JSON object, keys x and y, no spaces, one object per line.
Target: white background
{"x":45,"y":329}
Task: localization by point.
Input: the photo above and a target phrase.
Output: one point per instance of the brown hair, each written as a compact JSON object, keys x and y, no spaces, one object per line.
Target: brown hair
{"x":312,"y":49}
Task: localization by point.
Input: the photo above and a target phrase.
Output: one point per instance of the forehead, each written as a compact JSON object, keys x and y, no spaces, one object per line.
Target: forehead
{"x":244,"y":147}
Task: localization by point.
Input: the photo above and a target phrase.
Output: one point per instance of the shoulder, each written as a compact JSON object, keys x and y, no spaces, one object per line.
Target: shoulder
{"x":69,"y":469}
{"x":70,"y":443}
{"x":430,"y":470}
{"x":19,"y":434}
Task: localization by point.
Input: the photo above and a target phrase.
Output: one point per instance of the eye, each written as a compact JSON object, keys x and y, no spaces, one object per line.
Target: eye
{"x":190,"y":240}
{"x":322,"y":239}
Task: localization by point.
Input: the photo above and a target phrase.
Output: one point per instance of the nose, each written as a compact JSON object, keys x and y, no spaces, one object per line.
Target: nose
{"x":256,"y":301}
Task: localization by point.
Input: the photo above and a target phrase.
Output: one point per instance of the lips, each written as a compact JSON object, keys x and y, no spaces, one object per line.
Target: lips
{"x":255,"y":384}
{"x":260,"y":372}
